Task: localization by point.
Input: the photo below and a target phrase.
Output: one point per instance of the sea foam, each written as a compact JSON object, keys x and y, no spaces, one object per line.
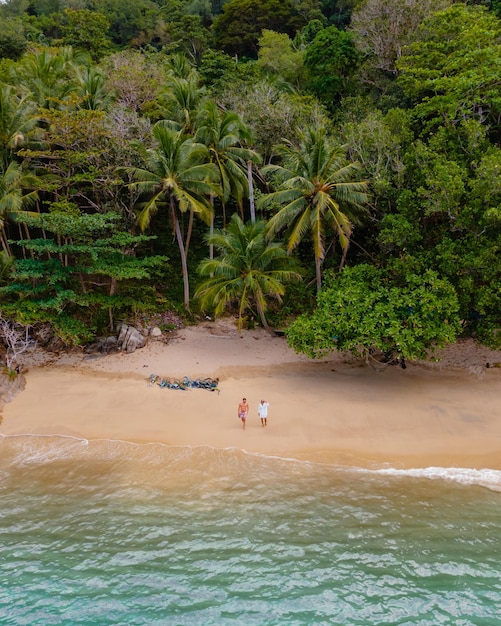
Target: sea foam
{"x":489,"y":478}
{"x":32,"y":449}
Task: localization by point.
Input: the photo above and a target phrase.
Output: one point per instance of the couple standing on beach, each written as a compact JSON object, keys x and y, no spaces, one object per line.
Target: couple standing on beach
{"x":262,"y":411}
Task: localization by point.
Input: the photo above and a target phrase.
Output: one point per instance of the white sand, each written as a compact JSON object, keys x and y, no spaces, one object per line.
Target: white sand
{"x":337,"y":410}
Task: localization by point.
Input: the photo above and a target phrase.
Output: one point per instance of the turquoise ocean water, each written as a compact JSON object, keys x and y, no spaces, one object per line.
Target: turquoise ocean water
{"x":109,"y":532}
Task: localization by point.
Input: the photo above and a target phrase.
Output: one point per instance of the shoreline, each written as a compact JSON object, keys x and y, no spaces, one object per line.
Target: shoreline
{"x":335,"y":411}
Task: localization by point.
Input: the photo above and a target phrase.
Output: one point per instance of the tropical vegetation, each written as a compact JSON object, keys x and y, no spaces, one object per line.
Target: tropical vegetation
{"x":202,"y":157}
{"x":248,"y":270}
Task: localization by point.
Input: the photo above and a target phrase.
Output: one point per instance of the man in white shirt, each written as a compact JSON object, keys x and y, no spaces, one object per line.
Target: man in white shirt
{"x":262,"y":411}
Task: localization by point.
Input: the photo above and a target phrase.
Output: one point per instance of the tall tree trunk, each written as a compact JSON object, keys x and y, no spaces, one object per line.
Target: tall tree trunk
{"x":20,"y":230}
{"x":59,"y":254}
{"x":211,"y":228}
{"x":113,"y":287}
{"x":82,"y":283}
{"x":5,"y":242}
{"x":44,"y":233}
{"x":250,"y":182}
{"x":189,"y":231}
{"x":182,"y":252}
{"x":343,"y":258}
{"x":28,"y":237}
{"x":263,"y":319}
{"x":318,"y":272}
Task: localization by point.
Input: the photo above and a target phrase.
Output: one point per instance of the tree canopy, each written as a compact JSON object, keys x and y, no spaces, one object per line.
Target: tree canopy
{"x":451,"y":71}
{"x":368,"y":311}
{"x":242,"y":22}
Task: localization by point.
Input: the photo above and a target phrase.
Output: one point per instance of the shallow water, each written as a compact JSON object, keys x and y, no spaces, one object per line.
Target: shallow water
{"x":109,"y":532}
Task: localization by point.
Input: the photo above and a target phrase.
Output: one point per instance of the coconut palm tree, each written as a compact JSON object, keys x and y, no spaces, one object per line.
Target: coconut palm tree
{"x":316,"y":190}
{"x":249,"y":270}
{"x":223,"y":134}
{"x":178,"y":178}
{"x":179,"y":66}
{"x":180,"y":101}
{"x":13,"y":199}
{"x":18,"y":116}
{"x":50,"y":75}
{"x":92,"y":88}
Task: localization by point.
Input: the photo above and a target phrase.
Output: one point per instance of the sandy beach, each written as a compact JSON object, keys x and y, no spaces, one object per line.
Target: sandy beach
{"x":338,"y":410}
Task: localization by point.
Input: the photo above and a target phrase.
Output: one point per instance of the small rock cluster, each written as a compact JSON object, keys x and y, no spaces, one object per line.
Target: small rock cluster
{"x":131,"y":337}
{"x":127,"y":339}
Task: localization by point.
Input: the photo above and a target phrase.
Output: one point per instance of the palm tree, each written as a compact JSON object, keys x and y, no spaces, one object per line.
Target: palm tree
{"x":18,"y":116}
{"x":179,"y":66}
{"x":181,"y":100}
{"x":223,"y":134}
{"x":49,"y":75}
{"x":13,"y":200}
{"x":249,"y":270}
{"x":179,"y":178}
{"x":317,"y":189}
{"x":92,"y":88}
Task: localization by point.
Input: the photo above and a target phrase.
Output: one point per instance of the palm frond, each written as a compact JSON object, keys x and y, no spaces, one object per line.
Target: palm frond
{"x":288,"y":213}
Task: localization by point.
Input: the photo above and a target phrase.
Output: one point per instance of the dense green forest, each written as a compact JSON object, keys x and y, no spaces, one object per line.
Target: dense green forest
{"x":329,"y":167}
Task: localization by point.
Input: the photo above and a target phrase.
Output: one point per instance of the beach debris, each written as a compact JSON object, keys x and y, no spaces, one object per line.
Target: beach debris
{"x":211,"y":384}
{"x":152,"y":379}
{"x":171,"y":384}
{"x":201,"y":383}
